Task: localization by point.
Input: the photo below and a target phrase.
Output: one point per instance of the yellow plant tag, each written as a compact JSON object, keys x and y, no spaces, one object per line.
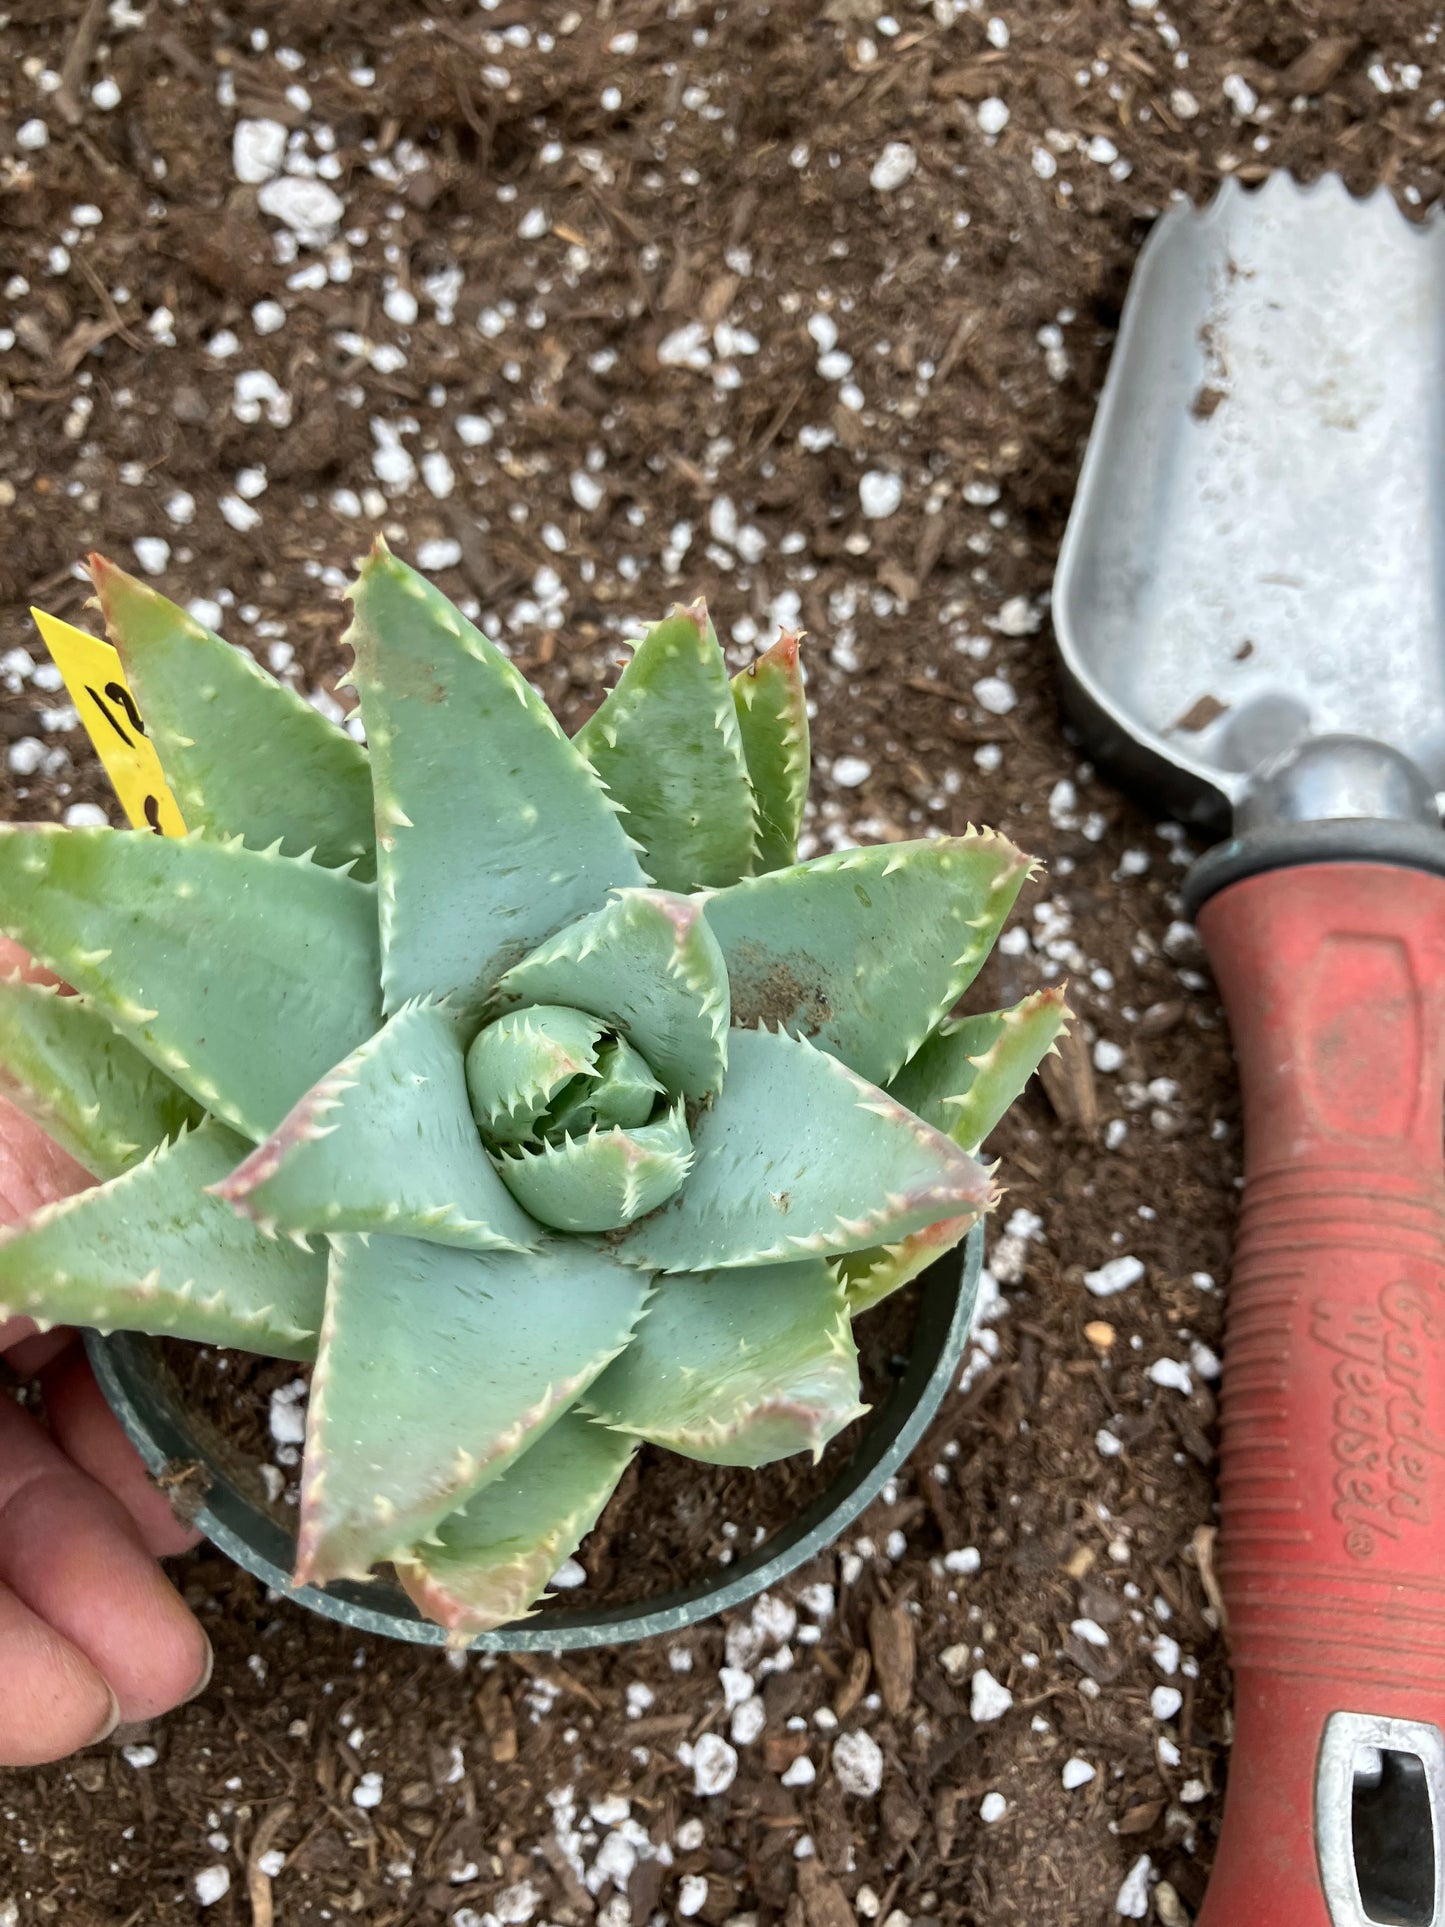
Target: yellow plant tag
{"x":112,"y":719}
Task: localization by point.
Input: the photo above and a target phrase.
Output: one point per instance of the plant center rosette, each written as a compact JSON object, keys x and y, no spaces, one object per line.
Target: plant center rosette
{"x":531,"y":1087}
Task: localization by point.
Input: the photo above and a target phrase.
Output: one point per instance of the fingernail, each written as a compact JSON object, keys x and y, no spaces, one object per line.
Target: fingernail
{"x":208,"y":1666}
{"x":108,"y":1724}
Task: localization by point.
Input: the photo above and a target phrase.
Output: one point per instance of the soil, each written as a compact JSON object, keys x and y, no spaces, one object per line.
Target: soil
{"x":626,"y":301}
{"x":671,"y":1523}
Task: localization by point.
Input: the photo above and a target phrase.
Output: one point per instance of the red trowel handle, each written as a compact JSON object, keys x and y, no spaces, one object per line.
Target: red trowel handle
{"x":1332,"y":1539}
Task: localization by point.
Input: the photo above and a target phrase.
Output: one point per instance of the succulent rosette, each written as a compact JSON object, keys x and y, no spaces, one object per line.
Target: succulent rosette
{"x":529,"y":1086}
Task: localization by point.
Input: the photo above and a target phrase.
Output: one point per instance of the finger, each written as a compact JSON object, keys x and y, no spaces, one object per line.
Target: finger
{"x":90,"y":1434}
{"x":16,"y":960}
{"x":74,"y":1556}
{"x":53,"y":1700}
{"x":28,"y":1352}
{"x":33,"y":1168}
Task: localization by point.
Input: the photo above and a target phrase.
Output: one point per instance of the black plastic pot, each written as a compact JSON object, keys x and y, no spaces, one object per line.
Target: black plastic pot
{"x":157,"y":1425}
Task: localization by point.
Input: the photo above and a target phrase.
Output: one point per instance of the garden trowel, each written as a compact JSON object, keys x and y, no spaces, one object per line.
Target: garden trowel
{"x":1250,"y":606}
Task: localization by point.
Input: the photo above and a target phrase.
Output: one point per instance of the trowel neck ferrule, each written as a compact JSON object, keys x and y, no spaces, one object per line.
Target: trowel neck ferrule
{"x":1331,"y":799}
{"x":1335,"y":778}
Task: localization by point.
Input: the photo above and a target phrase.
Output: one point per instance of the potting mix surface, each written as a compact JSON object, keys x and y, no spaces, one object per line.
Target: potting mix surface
{"x":592,"y":308}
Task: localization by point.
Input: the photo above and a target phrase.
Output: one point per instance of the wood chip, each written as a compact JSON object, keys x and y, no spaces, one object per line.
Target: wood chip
{"x":1203,"y":1542}
{"x":1067,"y":1075}
{"x":1141,"y":1819}
{"x":895,"y":1654}
{"x":1318,"y":65}
{"x":499,"y":1720}
{"x":853,"y":1687}
{"x":258,"y":1882}
{"x":824,"y":1902}
{"x":781,"y":1749}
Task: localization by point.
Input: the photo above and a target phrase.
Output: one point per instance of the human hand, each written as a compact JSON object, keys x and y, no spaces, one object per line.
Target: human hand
{"x":91,"y":1631}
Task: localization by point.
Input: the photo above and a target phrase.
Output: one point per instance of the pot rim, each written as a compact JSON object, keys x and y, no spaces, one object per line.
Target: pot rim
{"x":155,"y":1423}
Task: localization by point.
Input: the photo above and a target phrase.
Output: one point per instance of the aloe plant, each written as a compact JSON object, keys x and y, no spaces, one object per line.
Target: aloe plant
{"x":529,"y":1086}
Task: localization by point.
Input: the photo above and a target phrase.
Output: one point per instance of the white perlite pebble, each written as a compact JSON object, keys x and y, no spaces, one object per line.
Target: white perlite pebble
{"x":749,"y":1719}
{"x":272,"y":1863}
{"x":686,"y":347}
{"x":989,"y":1699}
{"x":691,"y":1895}
{"x":737,"y":1686}
{"x":153,"y":552}
{"x":31,"y":136}
{"x":441,"y":552}
{"x":802,"y":1772}
{"x":258,"y":150}
{"x":858,"y":1764}
{"x":211,"y":1884}
{"x":86,"y":816}
{"x":1076,"y":1773}
{"x":1017,"y":617}
{"x":368,"y":1791}
{"x":1240,"y":95}
{"x":1165,"y":1652}
{"x":893,"y":167}
{"x":965,"y":1561}
{"x":690,"y":1835}
{"x":288,"y":1413}
{"x":139,"y":1756}
{"x":106,"y":94}
{"x":1165,"y":1702}
{"x":309,"y":208}
{"x":568,"y":1576}
{"x":1172,"y":1374}
{"x":587,"y":491}
{"x":995,"y":695}
{"x":992,"y":1807}
{"x":1108,"y":1057}
{"x":1115,"y":1276}
{"x":993,"y":116}
{"x":880,"y":494}
{"x":850,"y":771}
{"x":714,"y":1764}
{"x":399,"y":305}
{"x":1133,"y":1896}
{"x":438,"y":474}
{"x":1090,"y":1631}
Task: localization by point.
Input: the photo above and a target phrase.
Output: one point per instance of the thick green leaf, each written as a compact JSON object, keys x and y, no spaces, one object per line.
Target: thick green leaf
{"x":86,"y":1087}
{"x":624,"y":1092}
{"x":648,"y":965}
{"x":873,"y":1275}
{"x":800,"y":1157}
{"x":437,"y":1369}
{"x":488,"y":1563}
{"x":972,"y":1068}
{"x":773,"y":717}
{"x":519,"y":1064}
{"x":244,"y":755}
{"x":738,"y":1367}
{"x":242,"y":974}
{"x":152,"y":1252}
{"x":492,"y":829}
{"x":385,"y":1142}
{"x":603,"y":1180}
{"x":864,"y":951}
{"x":666,"y":743}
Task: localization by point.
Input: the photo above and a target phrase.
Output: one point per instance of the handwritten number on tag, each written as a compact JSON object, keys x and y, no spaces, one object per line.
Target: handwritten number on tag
{"x":118,"y":693}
